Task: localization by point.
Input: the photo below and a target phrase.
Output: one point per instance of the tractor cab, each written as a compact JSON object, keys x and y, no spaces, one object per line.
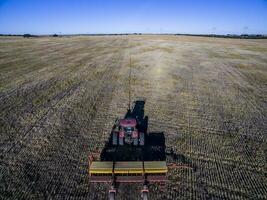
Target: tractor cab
{"x":128,"y":133}
{"x":128,"y":130}
{"x":128,"y":125}
{"x":131,"y":129}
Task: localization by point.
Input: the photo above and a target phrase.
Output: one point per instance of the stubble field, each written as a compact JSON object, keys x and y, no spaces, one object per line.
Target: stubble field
{"x":59,"y":98}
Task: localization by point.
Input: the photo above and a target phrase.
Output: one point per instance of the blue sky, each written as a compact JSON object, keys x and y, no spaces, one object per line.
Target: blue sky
{"x":147,"y":16}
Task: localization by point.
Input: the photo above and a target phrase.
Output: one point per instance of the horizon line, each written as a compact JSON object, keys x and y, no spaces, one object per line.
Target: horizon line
{"x":134,"y":33}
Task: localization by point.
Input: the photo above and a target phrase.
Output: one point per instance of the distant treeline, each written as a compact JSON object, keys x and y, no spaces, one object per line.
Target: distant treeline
{"x":30,"y":35}
{"x":106,"y":34}
{"x":243,"y":36}
{"x":56,"y":35}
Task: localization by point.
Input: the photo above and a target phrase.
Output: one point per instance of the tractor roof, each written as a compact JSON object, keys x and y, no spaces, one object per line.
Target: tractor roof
{"x":128,"y":122}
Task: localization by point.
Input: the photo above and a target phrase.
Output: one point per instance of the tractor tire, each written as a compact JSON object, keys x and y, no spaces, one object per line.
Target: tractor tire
{"x":115,"y":138}
{"x":135,"y":141}
{"x":111,"y":196}
{"x":144,"y":196}
{"x":145,"y":124}
{"x":121,"y":141}
{"x":142,"y":139}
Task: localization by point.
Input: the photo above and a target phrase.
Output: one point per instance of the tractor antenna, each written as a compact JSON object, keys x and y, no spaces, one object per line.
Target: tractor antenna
{"x":130,"y":76}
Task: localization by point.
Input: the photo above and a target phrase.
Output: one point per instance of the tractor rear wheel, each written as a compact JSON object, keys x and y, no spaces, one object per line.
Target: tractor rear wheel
{"x":115,"y":138}
{"x":135,"y":141}
{"x":111,"y":196}
{"x":144,"y":195}
{"x":145,"y":124}
{"x":121,"y":141}
{"x":142,"y":139}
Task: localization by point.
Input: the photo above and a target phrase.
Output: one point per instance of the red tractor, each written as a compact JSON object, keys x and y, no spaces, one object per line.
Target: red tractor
{"x":132,"y":154}
{"x":132,"y":129}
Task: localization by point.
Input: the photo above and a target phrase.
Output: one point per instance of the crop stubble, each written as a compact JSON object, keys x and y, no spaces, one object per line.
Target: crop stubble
{"x":60,"y":96}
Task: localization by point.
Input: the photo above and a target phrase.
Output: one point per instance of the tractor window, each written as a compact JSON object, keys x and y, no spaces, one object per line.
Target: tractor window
{"x":128,"y":129}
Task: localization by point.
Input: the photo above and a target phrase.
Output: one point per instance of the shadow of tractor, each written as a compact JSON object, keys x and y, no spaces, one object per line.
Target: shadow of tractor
{"x":153,"y":150}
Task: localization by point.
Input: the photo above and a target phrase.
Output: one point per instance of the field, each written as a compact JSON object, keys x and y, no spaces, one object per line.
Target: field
{"x":59,"y":98}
